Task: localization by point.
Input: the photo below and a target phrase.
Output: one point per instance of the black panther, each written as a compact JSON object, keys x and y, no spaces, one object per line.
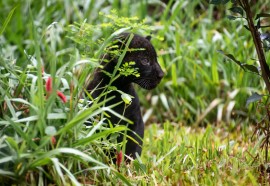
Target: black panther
{"x":142,"y":52}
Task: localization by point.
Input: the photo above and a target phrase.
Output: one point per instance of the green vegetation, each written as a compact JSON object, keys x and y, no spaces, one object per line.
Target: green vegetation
{"x":199,"y":129}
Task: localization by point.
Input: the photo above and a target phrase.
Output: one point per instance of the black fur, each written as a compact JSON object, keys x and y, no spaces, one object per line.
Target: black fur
{"x":150,"y":75}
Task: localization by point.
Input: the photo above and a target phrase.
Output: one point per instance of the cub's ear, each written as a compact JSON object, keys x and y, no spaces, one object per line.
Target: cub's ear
{"x":148,"y":38}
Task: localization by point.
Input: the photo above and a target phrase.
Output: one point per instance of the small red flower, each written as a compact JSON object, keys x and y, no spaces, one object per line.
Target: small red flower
{"x":49,"y":90}
{"x":119,"y":157}
{"x":53,"y":140}
{"x":62,"y":96}
{"x":49,"y":85}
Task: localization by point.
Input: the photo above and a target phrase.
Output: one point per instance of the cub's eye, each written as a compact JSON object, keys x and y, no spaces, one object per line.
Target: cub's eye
{"x":145,"y":62}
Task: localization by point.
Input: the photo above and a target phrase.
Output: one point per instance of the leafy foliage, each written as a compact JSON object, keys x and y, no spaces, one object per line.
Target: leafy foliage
{"x":89,"y":36}
{"x":127,"y":70}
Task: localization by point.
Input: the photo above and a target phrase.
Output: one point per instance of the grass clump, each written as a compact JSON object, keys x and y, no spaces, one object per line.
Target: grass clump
{"x":44,"y":138}
{"x":205,"y":156}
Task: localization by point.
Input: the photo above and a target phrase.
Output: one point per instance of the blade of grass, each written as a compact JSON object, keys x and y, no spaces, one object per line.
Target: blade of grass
{"x":7,"y":20}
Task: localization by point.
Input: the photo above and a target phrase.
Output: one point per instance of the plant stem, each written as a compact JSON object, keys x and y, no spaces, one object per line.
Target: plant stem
{"x":257,"y":41}
{"x":267,"y":133}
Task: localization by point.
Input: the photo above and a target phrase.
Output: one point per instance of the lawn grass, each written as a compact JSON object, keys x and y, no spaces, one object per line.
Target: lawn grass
{"x":203,"y":156}
{"x":198,"y":128}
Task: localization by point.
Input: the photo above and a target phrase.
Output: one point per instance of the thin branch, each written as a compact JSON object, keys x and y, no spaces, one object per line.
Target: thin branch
{"x":258,"y":45}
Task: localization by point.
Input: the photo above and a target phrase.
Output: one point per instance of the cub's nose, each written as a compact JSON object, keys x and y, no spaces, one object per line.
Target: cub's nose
{"x":160,"y":74}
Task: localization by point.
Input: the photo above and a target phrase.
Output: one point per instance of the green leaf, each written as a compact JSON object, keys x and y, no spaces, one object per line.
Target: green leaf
{"x":96,"y":127}
{"x":27,"y":119}
{"x":230,"y":17}
{"x":164,"y":100}
{"x":163,"y":157}
{"x":265,"y":26}
{"x":83,"y":116}
{"x":251,"y":68}
{"x":262,"y":15}
{"x":123,"y":178}
{"x":245,"y":67}
{"x":17,"y":128}
{"x":7,"y":21}
{"x":218,"y":2}
{"x":57,"y":116}
{"x":98,"y":135}
{"x":254,"y":97}
{"x":12,"y":143}
{"x":69,"y":175}
{"x":230,"y":56}
{"x":58,"y":169}
{"x":76,"y":154}
{"x":6,"y":159}
{"x":20,"y":100}
{"x":6,"y":173}
{"x":10,"y":106}
{"x":237,"y":10}
{"x":139,"y":166}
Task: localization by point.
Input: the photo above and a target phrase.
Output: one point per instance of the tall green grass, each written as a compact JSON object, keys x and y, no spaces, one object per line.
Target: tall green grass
{"x":43,"y":138}
{"x":192,"y":32}
{"x":197,"y":76}
{"x":42,"y":141}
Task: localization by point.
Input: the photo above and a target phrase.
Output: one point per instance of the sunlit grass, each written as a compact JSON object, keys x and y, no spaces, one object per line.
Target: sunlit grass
{"x":206,"y":156}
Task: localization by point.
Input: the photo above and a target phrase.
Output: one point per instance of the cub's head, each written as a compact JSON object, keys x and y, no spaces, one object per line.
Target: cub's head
{"x":142,"y":52}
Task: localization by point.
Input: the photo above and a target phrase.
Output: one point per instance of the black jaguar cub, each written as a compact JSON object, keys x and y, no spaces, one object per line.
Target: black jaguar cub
{"x":144,"y":55}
